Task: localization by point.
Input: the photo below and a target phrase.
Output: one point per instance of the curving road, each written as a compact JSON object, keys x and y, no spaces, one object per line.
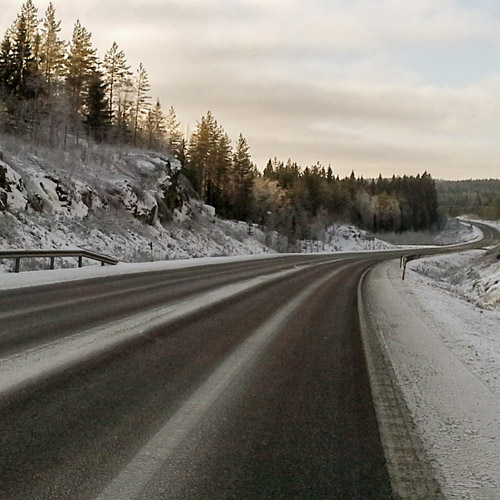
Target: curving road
{"x":233,"y":381}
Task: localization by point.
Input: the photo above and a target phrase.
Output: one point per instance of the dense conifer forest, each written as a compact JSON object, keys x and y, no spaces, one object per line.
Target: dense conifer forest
{"x":61,"y":93}
{"x":480,"y":198}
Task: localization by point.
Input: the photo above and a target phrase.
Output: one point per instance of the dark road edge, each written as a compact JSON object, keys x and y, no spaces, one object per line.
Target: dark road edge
{"x":410,"y":471}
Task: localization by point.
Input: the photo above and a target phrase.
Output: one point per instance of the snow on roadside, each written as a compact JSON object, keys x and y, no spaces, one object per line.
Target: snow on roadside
{"x":446,"y":355}
{"x":473,"y":275}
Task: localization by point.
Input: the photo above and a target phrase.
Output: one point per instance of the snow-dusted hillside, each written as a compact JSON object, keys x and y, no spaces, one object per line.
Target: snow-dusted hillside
{"x":129,"y":204}
{"x":133,"y":205}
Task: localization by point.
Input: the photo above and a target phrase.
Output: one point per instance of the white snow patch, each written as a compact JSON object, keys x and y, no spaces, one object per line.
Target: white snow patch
{"x":446,"y":354}
{"x":473,"y":275}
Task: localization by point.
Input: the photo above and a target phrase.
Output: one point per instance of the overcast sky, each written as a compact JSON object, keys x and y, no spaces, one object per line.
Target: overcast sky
{"x":386,"y":86}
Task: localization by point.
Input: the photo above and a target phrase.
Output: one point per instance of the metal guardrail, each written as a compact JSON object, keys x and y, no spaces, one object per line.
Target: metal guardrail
{"x":17,"y":255}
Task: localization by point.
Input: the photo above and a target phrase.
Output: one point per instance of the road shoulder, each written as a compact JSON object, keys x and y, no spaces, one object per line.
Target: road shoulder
{"x":455,"y":414}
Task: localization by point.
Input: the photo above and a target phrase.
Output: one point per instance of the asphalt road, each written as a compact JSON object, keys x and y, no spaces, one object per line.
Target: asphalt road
{"x":260,"y":391}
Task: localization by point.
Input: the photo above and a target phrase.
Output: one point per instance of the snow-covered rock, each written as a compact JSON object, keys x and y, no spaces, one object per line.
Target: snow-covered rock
{"x":129,"y":204}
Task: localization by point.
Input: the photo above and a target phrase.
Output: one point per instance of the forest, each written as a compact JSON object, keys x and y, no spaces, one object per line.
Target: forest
{"x":479,"y":198}
{"x":62,"y":94}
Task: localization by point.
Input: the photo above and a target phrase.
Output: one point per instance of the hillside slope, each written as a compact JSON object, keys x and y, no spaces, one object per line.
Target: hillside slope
{"x":131,"y":204}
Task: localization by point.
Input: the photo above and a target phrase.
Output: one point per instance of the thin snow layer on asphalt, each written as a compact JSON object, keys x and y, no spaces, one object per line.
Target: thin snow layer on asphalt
{"x":45,"y":277}
{"x":446,"y":356}
{"x":24,"y":368}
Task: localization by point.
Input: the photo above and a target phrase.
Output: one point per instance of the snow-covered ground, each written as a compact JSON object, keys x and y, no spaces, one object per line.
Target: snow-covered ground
{"x":133,"y":205}
{"x":441,"y":327}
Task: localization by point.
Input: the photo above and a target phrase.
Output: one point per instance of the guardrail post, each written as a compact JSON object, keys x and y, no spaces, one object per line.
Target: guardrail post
{"x":80,"y":261}
{"x":52,"y":262}
{"x":17,"y":266}
{"x":103,"y":263}
{"x":404,"y":268}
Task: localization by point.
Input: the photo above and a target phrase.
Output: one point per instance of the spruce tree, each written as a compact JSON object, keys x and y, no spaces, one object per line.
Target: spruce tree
{"x":96,"y":108}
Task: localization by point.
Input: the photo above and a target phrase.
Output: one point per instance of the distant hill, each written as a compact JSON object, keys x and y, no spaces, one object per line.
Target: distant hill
{"x":477,"y":197}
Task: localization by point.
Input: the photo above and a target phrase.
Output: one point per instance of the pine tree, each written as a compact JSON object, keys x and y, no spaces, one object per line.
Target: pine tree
{"x":81,"y":64}
{"x":117,"y":76}
{"x":269,"y":170}
{"x":198,"y":154}
{"x":173,"y":133}
{"x":53,"y":49}
{"x":30,"y":14}
{"x":23,"y":70}
{"x":218,"y":178}
{"x":243,"y":175}
{"x":155,"y":125}
{"x":142,"y":87}
{"x":6,"y":65}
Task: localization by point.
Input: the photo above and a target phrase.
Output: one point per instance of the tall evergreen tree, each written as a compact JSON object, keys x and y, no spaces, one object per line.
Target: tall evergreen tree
{"x":97,"y":117}
{"x":141,"y":89}
{"x":155,"y":125}
{"x":23,"y":66}
{"x":6,"y":65}
{"x":30,"y":14}
{"x":199,"y":150}
{"x":243,"y":177}
{"x":173,"y":133}
{"x":81,"y":64}
{"x":53,"y":49}
{"x":117,"y":76}
{"x":219,"y":172}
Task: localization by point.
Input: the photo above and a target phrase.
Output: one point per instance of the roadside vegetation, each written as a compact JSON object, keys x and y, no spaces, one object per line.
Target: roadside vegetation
{"x":60,"y":95}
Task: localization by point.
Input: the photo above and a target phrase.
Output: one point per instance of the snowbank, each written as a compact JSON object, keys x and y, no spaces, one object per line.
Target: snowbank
{"x":473,"y":276}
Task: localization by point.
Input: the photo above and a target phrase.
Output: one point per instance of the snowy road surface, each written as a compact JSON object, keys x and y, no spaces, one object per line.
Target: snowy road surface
{"x":239,"y":380}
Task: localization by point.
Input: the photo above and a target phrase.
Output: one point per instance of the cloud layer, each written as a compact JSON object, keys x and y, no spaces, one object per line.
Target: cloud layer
{"x":379,"y":87}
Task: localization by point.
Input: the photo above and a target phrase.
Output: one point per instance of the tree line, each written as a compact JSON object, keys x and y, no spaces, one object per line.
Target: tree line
{"x":51,"y":89}
{"x":311,"y":197}
{"x":480,"y":198}
{"x":55,"y":91}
